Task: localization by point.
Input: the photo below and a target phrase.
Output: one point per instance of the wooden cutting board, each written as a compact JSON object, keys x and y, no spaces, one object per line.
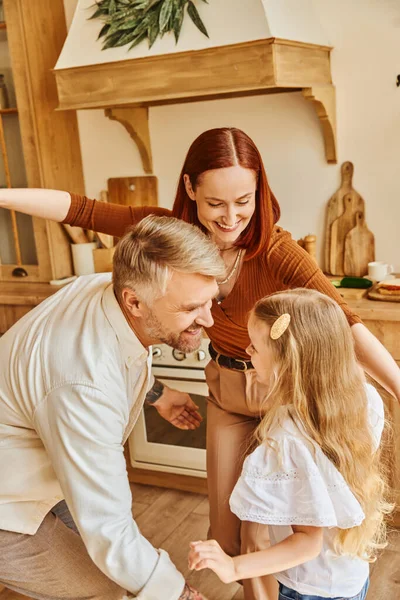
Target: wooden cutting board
{"x":339,"y":230}
{"x":133,"y":191}
{"x":359,"y":248}
{"x":375,"y":295}
{"x":349,"y":293}
{"x":335,"y":208}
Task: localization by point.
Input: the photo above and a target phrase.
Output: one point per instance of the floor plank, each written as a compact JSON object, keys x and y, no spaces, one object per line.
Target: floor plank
{"x":165,"y":514}
{"x":203,"y":508}
{"x":138,"y":508}
{"x":146,"y":494}
{"x":385,"y":573}
{"x":172,"y":519}
{"x":177,"y":545}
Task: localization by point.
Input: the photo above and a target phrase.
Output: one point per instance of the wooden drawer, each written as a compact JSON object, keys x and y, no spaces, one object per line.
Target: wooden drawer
{"x":9,"y":314}
{"x":388,"y":333}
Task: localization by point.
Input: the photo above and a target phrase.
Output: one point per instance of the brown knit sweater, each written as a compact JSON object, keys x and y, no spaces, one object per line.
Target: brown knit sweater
{"x":284,"y":265}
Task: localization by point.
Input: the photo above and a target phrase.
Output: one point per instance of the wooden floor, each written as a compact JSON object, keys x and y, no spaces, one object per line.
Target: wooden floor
{"x":171,"y":519}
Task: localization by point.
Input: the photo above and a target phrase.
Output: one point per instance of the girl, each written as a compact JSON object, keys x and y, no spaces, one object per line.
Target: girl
{"x":315,"y":477}
{"x":223,"y":188}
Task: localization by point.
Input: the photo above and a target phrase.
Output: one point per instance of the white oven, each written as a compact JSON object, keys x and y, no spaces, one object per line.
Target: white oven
{"x":156,"y":444}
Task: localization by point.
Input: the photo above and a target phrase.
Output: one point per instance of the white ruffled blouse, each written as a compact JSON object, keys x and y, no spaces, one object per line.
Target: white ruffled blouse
{"x":294,"y":483}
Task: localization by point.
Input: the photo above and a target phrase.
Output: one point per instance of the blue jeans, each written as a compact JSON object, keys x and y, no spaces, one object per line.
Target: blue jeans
{"x":286,"y":593}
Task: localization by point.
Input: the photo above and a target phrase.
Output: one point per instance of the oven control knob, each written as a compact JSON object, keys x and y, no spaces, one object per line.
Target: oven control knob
{"x":178,"y":355}
{"x":201,"y":355}
{"x":156,"y":352}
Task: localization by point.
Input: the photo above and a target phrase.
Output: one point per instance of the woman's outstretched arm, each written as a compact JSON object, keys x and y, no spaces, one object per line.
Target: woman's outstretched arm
{"x":76,"y":210}
{"x":48,"y":204}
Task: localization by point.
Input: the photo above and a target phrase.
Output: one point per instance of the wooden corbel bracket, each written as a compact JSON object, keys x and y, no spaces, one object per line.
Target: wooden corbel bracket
{"x":324,"y":101}
{"x":136,"y":122}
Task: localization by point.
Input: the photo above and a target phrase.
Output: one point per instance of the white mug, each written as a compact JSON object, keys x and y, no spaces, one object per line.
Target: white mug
{"x":379,"y":270}
{"x":82,"y":258}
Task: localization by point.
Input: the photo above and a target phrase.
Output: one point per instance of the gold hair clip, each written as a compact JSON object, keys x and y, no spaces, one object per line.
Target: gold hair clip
{"x":280,"y":326}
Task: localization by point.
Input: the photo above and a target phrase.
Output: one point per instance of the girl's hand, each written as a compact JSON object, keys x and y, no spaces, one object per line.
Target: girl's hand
{"x":209,"y":555}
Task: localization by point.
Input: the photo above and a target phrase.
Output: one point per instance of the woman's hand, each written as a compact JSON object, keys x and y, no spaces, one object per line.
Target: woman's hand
{"x":209,"y":555}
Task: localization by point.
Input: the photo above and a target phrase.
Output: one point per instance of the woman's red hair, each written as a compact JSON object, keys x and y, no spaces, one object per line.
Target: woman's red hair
{"x":218,"y":149}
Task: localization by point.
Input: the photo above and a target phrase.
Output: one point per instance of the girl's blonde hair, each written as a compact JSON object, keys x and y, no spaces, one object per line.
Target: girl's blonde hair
{"x":317,"y":374}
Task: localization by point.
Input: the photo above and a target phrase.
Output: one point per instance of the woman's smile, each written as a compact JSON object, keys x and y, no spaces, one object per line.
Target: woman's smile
{"x":228,"y":228}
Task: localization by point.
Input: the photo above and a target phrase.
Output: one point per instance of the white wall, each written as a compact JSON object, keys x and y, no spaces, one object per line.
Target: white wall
{"x":365,"y":62}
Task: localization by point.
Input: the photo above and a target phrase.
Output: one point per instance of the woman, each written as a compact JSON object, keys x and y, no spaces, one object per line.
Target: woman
{"x":224,"y":190}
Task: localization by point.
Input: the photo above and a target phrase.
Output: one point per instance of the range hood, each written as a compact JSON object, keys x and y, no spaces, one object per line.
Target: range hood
{"x":254,"y":47}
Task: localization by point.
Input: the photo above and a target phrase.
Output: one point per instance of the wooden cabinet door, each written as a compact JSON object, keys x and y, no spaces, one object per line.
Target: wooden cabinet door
{"x":36,"y":32}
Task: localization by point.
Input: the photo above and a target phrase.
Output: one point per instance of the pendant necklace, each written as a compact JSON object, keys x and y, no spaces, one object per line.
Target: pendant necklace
{"x":232,"y":271}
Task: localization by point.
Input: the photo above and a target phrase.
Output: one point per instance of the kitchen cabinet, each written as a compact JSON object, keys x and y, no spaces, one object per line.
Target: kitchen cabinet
{"x":39,"y":145}
{"x":383,"y":320}
{"x":18,"y":298}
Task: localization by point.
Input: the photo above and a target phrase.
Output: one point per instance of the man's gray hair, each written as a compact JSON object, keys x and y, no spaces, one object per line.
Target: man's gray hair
{"x":150,"y":251}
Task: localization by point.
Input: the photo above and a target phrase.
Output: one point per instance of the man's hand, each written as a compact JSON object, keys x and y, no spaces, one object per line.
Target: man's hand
{"x":209,"y":555}
{"x":190,"y":593}
{"x":179,"y":409}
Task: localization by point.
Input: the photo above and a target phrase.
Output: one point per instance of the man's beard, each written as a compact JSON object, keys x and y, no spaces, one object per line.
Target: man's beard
{"x":155,"y":330}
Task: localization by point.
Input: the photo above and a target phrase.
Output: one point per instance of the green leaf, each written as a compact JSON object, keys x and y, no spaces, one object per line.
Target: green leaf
{"x":126,"y":39}
{"x":115,"y":27}
{"x":194,"y":15}
{"x":99,"y":12}
{"x":126,"y":13}
{"x":131,"y":21}
{"x":129,"y":24}
{"x":137,"y":41}
{"x":165,"y":15}
{"x":111,"y":41}
{"x":103,"y":31}
{"x":151,"y":3}
{"x":153,"y":31}
{"x":178,"y":20}
{"x":112,"y":7}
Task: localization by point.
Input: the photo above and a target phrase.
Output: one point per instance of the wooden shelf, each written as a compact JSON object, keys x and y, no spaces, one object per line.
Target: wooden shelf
{"x":3,"y":25}
{"x":257,"y":67}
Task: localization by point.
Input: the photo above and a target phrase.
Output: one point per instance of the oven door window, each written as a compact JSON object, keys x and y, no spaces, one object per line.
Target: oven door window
{"x":159,"y":431}
{"x":156,"y":442}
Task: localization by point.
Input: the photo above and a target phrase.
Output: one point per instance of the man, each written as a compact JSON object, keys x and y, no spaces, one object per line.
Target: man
{"x":74,"y":375}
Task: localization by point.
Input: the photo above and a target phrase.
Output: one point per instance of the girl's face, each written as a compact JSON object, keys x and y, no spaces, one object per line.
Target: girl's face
{"x":259,"y":349}
{"x":226,"y":201}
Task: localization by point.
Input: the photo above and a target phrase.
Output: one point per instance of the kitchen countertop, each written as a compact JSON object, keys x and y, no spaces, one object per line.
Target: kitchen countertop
{"x":19,"y":293}
{"x":375,"y":310}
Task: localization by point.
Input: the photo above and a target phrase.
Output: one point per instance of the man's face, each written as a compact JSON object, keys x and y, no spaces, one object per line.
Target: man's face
{"x":178,"y":317}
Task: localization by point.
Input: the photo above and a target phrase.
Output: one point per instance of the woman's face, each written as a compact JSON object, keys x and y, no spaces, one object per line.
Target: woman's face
{"x":226,"y":201}
{"x":259,"y":350}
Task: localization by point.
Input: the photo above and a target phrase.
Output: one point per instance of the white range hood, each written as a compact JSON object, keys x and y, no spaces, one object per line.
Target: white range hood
{"x":254,"y":47}
{"x":227,"y":21}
